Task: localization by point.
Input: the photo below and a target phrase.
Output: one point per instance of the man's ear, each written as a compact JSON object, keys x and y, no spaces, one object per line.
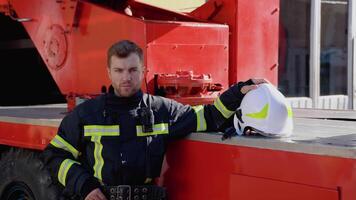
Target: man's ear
{"x":108,"y":71}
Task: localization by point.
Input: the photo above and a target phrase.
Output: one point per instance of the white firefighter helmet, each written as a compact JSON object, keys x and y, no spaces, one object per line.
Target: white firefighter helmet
{"x":266,"y":111}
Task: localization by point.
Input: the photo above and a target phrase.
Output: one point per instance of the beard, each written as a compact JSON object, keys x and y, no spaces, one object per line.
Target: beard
{"x":126,"y":90}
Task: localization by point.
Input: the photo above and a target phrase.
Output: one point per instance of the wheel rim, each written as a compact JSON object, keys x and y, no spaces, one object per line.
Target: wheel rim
{"x":17,"y":191}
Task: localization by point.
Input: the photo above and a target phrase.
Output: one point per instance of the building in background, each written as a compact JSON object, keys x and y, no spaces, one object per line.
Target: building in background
{"x":317,"y":53}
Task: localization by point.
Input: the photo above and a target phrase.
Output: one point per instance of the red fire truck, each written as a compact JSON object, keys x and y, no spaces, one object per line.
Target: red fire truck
{"x":192,"y":57}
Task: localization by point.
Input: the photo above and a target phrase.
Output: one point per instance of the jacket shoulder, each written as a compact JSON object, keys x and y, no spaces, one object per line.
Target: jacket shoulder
{"x":90,"y":106}
{"x":165,"y":103}
{"x":160,"y":102}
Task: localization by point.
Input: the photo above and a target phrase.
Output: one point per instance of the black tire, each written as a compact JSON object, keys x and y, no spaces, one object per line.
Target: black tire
{"x":23,"y":176}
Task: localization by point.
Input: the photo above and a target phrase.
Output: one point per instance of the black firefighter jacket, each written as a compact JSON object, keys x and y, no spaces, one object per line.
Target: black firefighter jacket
{"x":103,"y":141}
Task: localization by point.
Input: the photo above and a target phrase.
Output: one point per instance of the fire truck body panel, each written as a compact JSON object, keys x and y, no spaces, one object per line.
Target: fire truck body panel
{"x":317,"y":162}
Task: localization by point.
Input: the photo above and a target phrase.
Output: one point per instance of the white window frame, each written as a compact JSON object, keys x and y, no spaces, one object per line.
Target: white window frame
{"x":314,"y":62}
{"x":351,"y":57}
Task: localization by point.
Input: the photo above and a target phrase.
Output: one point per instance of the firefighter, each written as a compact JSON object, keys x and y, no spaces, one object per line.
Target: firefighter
{"x":114,"y":144}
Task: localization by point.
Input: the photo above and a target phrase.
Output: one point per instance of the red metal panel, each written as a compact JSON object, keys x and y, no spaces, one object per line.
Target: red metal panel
{"x":77,"y":59}
{"x":246,"y":187}
{"x":257,"y":39}
{"x":4,"y":7}
{"x":201,"y":170}
{"x":253,"y":38}
{"x":197,"y":47}
{"x":26,"y":135}
{"x":83,"y":70}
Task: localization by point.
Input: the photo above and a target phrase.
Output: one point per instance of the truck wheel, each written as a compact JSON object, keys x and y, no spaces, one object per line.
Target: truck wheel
{"x":23,"y":176}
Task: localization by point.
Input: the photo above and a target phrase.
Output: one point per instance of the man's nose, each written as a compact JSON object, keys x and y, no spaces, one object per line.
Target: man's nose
{"x":127,"y":76}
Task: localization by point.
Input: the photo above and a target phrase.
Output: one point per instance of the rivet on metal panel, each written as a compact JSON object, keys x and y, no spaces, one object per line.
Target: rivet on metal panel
{"x":274,"y":11}
{"x":175,"y":46}
{"x":273,"y":66}
{"x":225,"y":47}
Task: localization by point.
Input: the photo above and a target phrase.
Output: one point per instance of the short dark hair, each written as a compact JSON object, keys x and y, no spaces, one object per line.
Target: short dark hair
{"x":123,"y":49}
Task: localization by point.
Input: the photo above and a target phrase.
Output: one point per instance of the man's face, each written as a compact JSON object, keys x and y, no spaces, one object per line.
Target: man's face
{"x":126,"y":74}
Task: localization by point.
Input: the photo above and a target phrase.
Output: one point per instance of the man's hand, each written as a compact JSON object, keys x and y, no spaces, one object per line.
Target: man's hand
{"x":128,"y":11}
{"x":95,"y":195}
{"x":256,"y":81}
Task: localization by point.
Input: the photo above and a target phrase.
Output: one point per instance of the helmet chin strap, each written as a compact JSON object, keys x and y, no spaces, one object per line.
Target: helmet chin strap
{"x":239,"y":115}
{"x":252,"y":130}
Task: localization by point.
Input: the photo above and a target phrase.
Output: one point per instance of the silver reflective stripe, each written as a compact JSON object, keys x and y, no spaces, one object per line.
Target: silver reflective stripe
{"x":158,"y":129}
{"x":101,"y":130}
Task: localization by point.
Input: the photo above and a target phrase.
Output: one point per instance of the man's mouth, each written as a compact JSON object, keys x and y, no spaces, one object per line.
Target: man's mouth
{"x":126,"y":85}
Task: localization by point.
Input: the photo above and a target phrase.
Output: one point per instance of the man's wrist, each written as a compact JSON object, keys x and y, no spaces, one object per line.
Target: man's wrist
{"x":89,"y":185}
{"x":233,"y":96}
{"x":249,"y":82}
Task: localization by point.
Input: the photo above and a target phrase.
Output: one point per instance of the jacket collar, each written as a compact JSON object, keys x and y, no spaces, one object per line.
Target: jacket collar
{"x":133,"y":101}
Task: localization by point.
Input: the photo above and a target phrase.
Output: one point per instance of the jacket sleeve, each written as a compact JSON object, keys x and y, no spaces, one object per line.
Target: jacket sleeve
{"x":63,"y":154}
{"x":186,"y":119}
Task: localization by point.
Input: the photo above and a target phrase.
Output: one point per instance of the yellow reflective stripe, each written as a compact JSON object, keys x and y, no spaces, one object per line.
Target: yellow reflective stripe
{"x":260,"y":115}
{"x":63,"y":170}
{"x":59,"y":142}
{"x":99,"y":161}
{"x":96,"y":132}
{"x":290,"y":112}
{"x":158,"y":129}
{"x":222,"y":109}
{"x":201,"y":122}
{"x":148,"y":180}
{"x":101,"y":130}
